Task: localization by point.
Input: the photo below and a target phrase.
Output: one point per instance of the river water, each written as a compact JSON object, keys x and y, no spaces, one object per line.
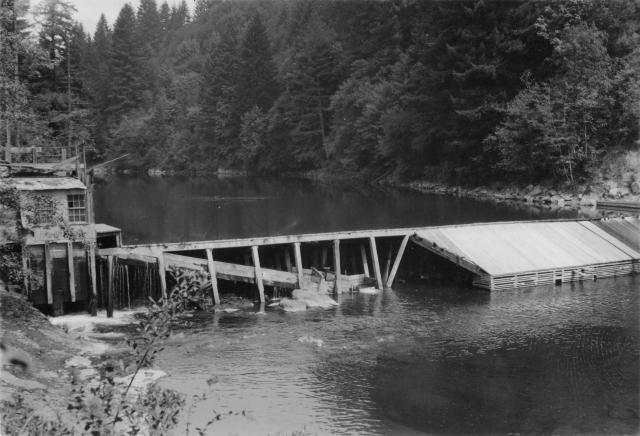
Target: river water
{"x":425,"y":358}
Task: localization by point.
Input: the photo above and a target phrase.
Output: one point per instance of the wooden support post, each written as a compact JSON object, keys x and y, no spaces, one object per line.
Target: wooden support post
{"x":94,"y":279}
{"x":110,"y":285}
{"x":215,"y":296}
{"x":396,"y":263}
{"x":323,"y":259}
{"x":256,"y":265}
{"x":365,"y":263}
{"x":25,"y":271}
{"x":374,"y":260}
{"x":162,"y":272}
{"x":387,"y":266}
{"x":287,"y":259}
{"x":48,"y":265}
{"x":336,"y":264}
{"x":72,"y":273}
{"x":298,"y":258}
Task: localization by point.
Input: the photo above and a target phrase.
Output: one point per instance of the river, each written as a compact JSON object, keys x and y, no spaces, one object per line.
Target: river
{"x":425,"y":358}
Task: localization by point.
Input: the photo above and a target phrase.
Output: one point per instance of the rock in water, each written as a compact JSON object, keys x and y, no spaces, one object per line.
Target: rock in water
{"x":313,"y":299}
{"x":290,"y":305}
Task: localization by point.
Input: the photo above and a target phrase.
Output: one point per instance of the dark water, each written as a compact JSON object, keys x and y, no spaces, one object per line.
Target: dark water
{"x":175,"y":209}
{"x":425,"y":358}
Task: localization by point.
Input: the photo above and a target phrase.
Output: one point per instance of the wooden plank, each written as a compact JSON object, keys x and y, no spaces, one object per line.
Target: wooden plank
{"x":298,"y":259}
{"x":374,"y":260}
{"x":365,"y":263}
{"x":215,"y":296}
{"x":312,"y":237}
{"x":125,"y":254}
{"x":396,"y":263}
{"x":72,"y":273}
{"x":258,"y":272}
{"x":110,"y":285}
{"x":48,"y":273}
{"x":336,"y":264}
{"x":92,"y":272}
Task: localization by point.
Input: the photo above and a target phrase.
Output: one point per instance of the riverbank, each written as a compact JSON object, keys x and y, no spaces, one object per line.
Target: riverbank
{"x":65,"y":374}
{"x":585,"y":199}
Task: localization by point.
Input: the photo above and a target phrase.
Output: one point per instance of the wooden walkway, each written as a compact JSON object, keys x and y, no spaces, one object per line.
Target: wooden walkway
{"x":500,"y":255}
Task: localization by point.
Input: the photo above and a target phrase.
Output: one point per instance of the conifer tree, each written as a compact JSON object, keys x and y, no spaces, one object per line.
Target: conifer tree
{"x":257,"y":85}
{"x":125,"y":62}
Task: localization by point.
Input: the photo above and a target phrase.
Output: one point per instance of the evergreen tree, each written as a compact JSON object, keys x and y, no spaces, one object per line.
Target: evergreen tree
{"x":219,"y":101}
{"x":125,"y":64}
{"x":98,"y":78}
{"x":149,"y":29}
{"x":165,"y":16}
{"x":257,"y":85}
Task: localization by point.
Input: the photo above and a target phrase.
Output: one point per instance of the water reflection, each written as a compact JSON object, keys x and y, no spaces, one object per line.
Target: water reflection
{"x":424,"y":359}
{"x":180,"y":209}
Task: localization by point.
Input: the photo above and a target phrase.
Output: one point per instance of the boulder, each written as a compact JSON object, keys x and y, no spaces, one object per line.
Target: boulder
{"x":313,"y":299}
{"x":290,"y":305}
{"x":590,"y":200}
{"x":537,"y":190}
{"x":618,"y":191}
{"x":635,"y":187}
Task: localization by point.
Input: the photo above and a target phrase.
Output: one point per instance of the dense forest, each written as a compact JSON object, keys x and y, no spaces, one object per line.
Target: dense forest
{"x":459,"y":90}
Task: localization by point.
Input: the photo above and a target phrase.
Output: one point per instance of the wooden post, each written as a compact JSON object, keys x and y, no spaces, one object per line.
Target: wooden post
{"x":387,"y":266}
{"x":48,"y":273}
{"x":365,"y":263}
{"x":110,"y":278}
{"x":215,"y":296}
{"x":92,"y":273}
{"x":287,"y":259}
{"x":374,"y":260}
{"x":162,"y":272}
{"x":72,"y":273}
{"x":396,"y":263}
{"x":256,"y":265}
{"x":25,"y":271}
{"x":336,"y":264}
{"x":323,"y":259}
{"x":298,"y":258}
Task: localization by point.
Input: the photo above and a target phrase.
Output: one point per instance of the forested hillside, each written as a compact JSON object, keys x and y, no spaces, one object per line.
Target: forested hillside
{"x":458,"y":90}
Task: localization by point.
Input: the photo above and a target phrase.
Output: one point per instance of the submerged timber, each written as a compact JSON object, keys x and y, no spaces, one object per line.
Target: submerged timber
{"x":504,"y":255}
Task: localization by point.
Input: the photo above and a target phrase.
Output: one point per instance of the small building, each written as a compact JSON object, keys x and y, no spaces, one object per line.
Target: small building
{"x":54,"y":234}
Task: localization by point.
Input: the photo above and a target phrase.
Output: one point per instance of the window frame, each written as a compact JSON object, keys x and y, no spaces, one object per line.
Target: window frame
{"x":77,"y":208}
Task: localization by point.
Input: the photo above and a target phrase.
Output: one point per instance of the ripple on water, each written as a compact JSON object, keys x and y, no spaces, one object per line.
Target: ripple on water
{"x":444,"y":360}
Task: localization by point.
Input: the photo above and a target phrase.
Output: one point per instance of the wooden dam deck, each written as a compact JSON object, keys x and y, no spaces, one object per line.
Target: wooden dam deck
{"x":503,"y":255}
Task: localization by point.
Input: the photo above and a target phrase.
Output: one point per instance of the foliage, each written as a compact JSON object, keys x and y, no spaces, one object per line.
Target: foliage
{"x":473,"y":89}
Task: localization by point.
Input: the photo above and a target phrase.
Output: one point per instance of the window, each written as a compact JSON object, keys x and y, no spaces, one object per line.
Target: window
{"x":77,"y":208}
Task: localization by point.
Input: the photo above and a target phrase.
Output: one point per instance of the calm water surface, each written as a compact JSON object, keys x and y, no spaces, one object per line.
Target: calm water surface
{"x":425,"y":358}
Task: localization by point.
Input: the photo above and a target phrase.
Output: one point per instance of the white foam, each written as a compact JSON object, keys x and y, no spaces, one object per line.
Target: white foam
{"x":87,"y":323}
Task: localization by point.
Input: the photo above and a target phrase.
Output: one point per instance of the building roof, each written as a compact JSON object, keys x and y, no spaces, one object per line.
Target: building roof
{"x":626,"y":230}
{"x":106,"y":228}
{"x":43,"y":183}
{"x":512,"y":248}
